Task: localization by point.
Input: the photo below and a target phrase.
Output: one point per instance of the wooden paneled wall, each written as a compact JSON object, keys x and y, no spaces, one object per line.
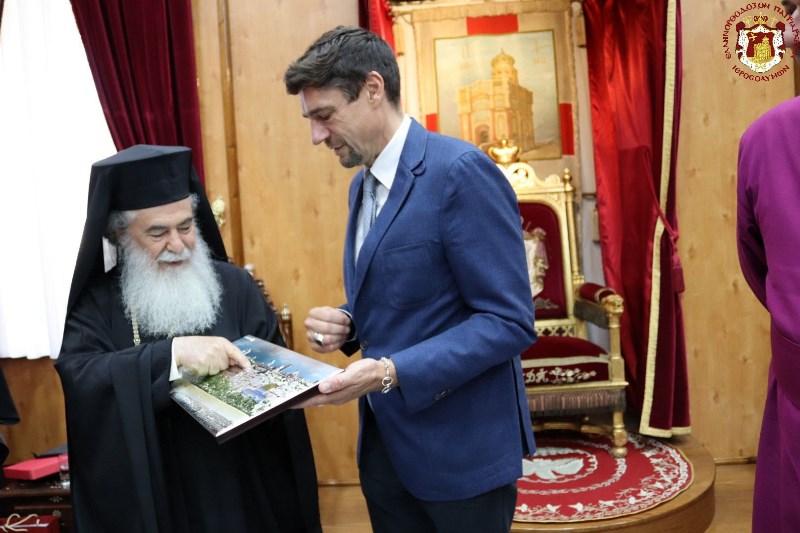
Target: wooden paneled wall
{"x":290,"y":198}
{"x":36,"y":390}
{"x":727,"y":330}
{"x":293,"y":195}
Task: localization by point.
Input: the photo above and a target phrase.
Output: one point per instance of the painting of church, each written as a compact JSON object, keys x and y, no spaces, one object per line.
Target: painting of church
{"x":490,"y":87}
{"x":497,"y":108}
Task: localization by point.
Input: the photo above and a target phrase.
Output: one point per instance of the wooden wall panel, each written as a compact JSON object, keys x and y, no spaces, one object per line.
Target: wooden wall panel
{"x":36,"y":391}
{"x":727,"y":330}
{"x":294,"y":194}
{"x":210,"y":85}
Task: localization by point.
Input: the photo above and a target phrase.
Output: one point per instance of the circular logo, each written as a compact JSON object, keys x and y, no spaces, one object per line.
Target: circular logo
{"x":753,"y":41}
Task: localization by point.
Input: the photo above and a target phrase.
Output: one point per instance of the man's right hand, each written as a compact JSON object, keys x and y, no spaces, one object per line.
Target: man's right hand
{"x":206,"y":356}
{"x":327,"y":329}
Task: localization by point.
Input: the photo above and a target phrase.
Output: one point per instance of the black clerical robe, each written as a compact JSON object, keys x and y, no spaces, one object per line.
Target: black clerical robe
{"x":8,"y":415}
{"x":139,"y":463}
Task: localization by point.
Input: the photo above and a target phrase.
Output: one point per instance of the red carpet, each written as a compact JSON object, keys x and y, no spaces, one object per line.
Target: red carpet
{"x":574,"y":478}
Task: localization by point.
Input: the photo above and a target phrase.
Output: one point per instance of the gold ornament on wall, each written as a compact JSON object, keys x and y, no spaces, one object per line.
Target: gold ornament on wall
{"x":218,"y":210}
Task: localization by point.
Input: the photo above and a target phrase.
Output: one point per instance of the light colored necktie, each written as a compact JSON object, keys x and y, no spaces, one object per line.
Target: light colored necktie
{"x":369,"y":209}
{"x":369,"y":206}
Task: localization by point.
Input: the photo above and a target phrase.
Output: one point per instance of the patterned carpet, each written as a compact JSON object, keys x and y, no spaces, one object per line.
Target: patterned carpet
{"x":574,"y":478}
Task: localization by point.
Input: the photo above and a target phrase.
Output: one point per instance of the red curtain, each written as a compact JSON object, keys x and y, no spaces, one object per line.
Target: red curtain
{"x":375,"y":15}
{"x":142,"y":59}
{"x":629,"y":42}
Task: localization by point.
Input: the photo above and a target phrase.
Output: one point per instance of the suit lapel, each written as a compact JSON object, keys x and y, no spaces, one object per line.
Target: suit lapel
{"x":411,"y":165}
{"x":350,"y":239}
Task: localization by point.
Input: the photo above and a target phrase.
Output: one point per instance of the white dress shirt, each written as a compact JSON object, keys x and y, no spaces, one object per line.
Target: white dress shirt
{"x":384,"y":168}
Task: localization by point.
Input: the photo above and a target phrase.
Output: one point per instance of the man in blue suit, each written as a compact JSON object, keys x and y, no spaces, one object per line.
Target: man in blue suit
{"x":438,"y":300}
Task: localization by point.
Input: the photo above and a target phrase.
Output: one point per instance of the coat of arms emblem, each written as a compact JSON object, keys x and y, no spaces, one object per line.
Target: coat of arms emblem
{"x":759,"y":46}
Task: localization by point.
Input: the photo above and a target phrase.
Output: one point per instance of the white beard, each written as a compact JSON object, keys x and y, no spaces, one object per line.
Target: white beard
{"x":169,"y":302}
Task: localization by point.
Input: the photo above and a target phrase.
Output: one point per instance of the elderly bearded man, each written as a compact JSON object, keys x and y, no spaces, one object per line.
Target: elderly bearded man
{"x":138,"y":462}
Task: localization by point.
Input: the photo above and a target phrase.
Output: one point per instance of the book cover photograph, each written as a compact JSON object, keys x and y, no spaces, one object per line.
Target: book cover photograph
{"x":237,"y":399}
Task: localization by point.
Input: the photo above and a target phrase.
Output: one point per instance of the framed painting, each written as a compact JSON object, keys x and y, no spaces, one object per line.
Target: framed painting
{"x":485,"y":71}
{"x":490,"y":87}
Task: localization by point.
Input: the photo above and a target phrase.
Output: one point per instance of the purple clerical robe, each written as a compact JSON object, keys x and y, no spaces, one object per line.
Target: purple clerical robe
{"x":768,"y":237}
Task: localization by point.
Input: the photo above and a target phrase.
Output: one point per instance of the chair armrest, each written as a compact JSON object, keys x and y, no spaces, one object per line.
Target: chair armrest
{"x":601,"y":306}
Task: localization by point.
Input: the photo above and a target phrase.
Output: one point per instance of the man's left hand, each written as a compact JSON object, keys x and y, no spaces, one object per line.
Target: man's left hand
{"x":359,"y":378}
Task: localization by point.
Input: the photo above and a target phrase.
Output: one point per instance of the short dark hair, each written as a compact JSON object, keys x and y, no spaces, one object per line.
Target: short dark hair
{"x":342,"y":58}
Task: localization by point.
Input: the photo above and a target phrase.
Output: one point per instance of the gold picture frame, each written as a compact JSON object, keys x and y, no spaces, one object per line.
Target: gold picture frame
{"x":452,"y":54}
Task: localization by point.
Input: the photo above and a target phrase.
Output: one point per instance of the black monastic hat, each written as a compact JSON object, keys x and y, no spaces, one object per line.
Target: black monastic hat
{"x":136,"y":178}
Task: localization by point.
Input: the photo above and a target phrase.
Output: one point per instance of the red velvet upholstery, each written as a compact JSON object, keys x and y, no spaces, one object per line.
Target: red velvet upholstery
{"x":594,"y":292}
{"x":556,"y":360}
{"x":551,"y":302}
{"x":566,"y":376}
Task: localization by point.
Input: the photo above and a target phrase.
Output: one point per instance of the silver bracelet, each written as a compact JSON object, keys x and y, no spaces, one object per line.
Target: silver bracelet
{"x":388,"y":381}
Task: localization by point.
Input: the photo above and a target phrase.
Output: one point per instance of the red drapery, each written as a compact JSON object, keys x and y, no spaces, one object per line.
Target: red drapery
{"x":142,"y":59}
{"x":376,"y":16}
{"x":634,"y":75}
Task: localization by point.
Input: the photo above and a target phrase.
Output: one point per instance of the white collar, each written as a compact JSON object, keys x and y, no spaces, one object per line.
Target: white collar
{"x":385,"y":166}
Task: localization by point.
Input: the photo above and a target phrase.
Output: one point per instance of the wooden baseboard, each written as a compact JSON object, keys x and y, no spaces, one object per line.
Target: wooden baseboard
{"x":722,"y":461}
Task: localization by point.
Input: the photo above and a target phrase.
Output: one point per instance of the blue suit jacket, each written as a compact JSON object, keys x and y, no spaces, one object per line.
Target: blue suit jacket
{"x":442,"y":288}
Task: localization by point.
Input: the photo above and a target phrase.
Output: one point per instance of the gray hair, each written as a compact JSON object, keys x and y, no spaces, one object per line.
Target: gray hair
{"x":118,"y":221}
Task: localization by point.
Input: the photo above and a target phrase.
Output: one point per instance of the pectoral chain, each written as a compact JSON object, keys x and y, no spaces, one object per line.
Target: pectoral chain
{"x":137,"y":339}
{"x":135,"y":325}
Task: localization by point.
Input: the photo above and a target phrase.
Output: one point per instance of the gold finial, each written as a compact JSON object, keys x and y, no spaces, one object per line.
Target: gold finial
{"x":505,"y":154}
{"x":567,"y":177}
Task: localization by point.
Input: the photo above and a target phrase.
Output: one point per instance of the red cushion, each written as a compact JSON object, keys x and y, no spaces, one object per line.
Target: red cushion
{"x":594,"y":292}
{"x":553,"y":360}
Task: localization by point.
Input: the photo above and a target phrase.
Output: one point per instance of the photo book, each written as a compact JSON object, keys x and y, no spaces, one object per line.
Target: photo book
{"x":237,"y":399}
